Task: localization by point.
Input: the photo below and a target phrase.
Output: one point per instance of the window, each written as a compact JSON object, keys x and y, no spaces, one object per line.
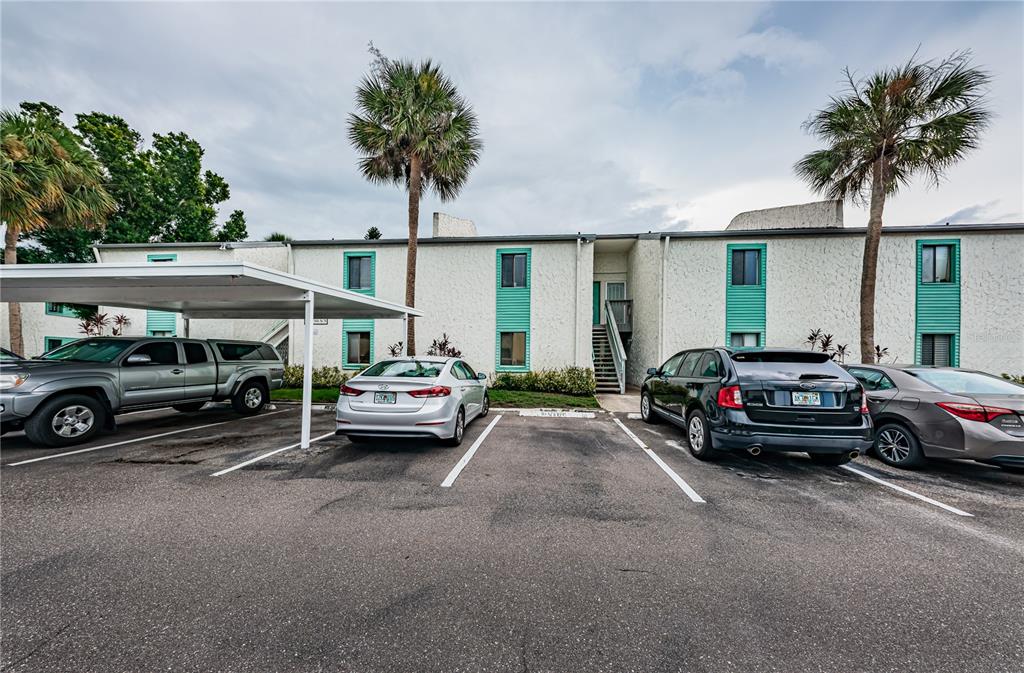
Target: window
{"x":50,"y":343}
{"x":936,"y":263}
{"x":513,"y":348}
{"x":513,"y":270}
{"x":358,"y":352}
{"x":670,"y":367}
{"x":414,"y":369}
{"x":160,"y":352}
{"x":966,"y":383}
{"x":744,"y":340}
{"x":616,"y":290}
{"x":872,"y":379}
{"x":746,"y":267}
{"x":937,"y":349}
{"x":69,"y":310}
{"x":689,"y":364}
{"x":708,"y":366}
{"x":239,"y":351}
{"x":267,"y":352}
{"x":195,"y":353}
{"x":462,"y":372}
{"x":90,"y":350}
{"x":360,"y":273}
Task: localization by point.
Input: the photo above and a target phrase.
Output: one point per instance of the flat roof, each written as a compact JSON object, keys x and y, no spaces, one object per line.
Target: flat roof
{"x":540,"y":238}
{"x":201,"y":290}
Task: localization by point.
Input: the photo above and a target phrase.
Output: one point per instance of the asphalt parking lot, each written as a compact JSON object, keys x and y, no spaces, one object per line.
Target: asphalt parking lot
{"x":540,"y":544}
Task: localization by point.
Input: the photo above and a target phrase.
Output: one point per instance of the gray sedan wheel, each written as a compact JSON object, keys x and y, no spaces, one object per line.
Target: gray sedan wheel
{"x":460,"y":429}
{"x":897,"y":446}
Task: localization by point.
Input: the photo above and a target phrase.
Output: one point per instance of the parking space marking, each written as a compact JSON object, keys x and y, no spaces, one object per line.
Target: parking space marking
{"x":905,"y":491}
{"x":454,"y":474}
{"x":556,"y":413}
{"x":130,"y":441}
{"x":686,"y":488}
{"x":268,"y":454}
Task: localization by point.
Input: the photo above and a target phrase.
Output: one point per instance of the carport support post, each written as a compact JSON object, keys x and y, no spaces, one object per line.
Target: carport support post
{"x":307,"y":373}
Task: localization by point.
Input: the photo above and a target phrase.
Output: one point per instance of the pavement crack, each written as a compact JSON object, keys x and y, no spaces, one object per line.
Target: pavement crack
{"x":46,"y":641}
{"x":636,"y":570}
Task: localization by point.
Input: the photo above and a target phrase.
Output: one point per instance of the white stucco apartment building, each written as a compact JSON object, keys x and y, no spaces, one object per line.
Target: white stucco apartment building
{"x":946,"y":293}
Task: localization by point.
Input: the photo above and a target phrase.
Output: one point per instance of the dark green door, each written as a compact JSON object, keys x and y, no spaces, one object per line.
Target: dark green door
{"x":597,"y":302}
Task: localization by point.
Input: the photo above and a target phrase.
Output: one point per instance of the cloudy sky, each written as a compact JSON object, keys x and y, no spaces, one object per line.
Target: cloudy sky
{"x":595,"y":117}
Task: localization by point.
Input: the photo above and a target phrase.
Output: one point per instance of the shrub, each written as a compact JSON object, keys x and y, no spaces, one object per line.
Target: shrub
{"x":323,"y":377}
{"x":1016,"y":378}
{"x":444,"y":347}
{"x":568,"y":380}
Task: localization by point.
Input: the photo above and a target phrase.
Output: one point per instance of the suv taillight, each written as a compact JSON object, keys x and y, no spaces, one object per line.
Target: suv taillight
{"x":973,"y":412}
{"x":349,"y":391}
{"x":864,"y":401}
{"x":434,"y":391}
{"x":730,"y":397}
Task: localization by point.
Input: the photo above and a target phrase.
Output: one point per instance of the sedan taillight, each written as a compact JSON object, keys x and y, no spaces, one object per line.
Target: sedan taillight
{"x":433,"y":391}
{"x":349,"y":391}
{"x":973,"y":412}
{"x":730,"y":397}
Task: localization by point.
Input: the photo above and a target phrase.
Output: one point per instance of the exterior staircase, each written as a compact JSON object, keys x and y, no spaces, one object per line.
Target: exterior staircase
{"x":604,"y":366}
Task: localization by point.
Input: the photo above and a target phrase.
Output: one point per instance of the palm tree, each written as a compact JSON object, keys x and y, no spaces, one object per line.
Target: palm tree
{"x":46,"y":179}
{"x":277,"y":237}
{"x":413,"y":129}
{"x":916,"y":119}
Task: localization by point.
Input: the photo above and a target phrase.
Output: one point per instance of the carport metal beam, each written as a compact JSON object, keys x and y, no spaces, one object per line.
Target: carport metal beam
{"x":220,"y":290}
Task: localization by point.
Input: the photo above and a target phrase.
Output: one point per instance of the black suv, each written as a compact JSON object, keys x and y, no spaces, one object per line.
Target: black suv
{"x":760,"y":399}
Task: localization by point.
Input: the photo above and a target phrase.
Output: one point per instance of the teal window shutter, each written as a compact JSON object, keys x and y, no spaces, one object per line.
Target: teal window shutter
{"x":746,"y":292}
{"x":937,"y":301}
{"x":163,"y":322}
{"x":513,"y":268}
{"x":361,"y":267}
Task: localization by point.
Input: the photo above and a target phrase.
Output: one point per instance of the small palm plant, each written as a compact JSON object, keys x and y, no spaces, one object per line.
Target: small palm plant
{"x":812,"y":338}
{"x":914,"y":119}
{"x":825,"y":342}
{"x":841,"y":352}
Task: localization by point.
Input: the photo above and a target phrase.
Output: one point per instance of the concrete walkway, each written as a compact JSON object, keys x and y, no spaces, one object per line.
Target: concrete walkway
{"x":623,"y":404}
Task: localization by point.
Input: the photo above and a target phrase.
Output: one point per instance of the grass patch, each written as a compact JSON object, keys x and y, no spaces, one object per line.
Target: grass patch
{"x":320,"y":395}
{"x":526,"y":399}
{"x":499,"y":398}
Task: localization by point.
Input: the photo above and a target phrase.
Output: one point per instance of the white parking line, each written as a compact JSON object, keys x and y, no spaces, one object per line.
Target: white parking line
{"x":686,"y":488}
{"x":454,"y":474}
{"x":268,"y":454}
{"x":912,"y":494}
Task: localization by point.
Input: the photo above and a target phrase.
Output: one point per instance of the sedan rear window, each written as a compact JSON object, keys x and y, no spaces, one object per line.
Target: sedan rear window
{"x":416,"y":369}
{"x":953,"y":381}
{"x":801,"y":357}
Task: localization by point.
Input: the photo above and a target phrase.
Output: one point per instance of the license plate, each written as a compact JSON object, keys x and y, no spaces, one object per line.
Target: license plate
{"x":806,"y":399}
{"x":383,"y":398}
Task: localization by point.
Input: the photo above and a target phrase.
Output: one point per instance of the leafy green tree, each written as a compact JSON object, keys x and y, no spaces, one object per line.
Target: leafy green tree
{"x":47,"y":178}
{"x":234,"y":229}
{"x":372,"y":234}
{"x":413,"y":129}
{"x":277,"y":236}
{"x":915,"y":119}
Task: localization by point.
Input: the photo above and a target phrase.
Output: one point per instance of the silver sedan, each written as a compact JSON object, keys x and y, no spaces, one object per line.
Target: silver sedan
{"x":412,"y":397}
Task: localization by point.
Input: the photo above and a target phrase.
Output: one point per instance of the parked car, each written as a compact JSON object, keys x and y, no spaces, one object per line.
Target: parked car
{"x":941,"y":412}
{"x":412,"y":397}
{"x":760,"y":400}
{"x":67,"y":395}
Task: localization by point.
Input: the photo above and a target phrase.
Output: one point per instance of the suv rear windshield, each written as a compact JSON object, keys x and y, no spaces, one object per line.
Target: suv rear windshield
{"x":418,"y":369}
{"x":89,"y":350}
{"x":953,"y":381}
{"x":808,"y":357}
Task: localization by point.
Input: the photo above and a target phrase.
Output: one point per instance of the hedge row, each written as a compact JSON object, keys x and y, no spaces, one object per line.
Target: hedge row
{"x":568,"y":380}
{"x":323,"y":377}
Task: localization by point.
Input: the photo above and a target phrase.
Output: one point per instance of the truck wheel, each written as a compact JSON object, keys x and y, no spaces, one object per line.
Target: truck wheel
{"x":250,"y":398}
{"x":189,"y":407}
{"x":65,"y":420}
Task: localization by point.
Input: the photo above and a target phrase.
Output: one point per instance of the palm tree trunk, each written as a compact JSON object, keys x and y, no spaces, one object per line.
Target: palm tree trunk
{"x":14,"y":308}
{"x":869,"y":272}
{"x":415,"y":185}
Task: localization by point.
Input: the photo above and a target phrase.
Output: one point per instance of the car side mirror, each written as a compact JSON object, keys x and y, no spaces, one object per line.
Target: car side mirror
{"x":138,"y":359}
{"x":482,"y":376}
{"x":653,"y":371}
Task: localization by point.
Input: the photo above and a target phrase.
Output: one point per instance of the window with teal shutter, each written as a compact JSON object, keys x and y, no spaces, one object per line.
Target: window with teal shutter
{"x":161,"y":323}
{"x":359,"y":274}
{"x":512,"y":308}
{"x":745,"y":294}
{"x":937,"y":303}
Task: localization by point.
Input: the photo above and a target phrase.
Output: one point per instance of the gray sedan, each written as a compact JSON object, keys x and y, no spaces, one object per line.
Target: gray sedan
{"x":941,"y":412}
{"x":412,"y":397}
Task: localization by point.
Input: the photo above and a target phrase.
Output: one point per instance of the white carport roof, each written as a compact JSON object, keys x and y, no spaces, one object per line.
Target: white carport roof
{"x":203,"y":290}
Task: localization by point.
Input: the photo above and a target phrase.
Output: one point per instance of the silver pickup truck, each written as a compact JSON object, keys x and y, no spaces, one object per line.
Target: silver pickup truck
{"x":67,"y":395}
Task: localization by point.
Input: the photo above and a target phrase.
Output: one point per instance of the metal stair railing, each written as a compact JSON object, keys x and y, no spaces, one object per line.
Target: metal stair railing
{"x":618,"y":352}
